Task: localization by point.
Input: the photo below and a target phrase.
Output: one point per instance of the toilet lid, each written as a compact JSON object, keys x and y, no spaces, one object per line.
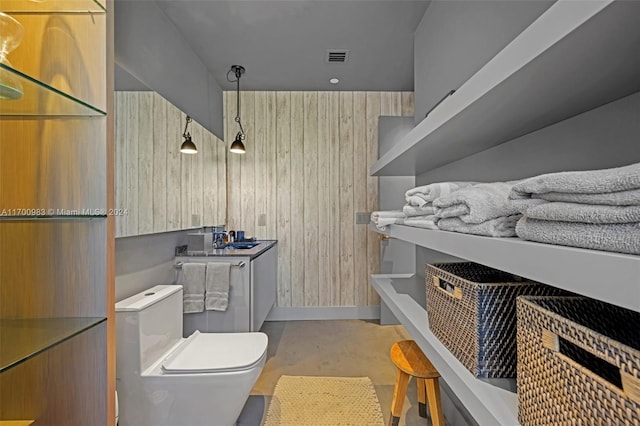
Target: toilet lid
{"x":216,"y":352}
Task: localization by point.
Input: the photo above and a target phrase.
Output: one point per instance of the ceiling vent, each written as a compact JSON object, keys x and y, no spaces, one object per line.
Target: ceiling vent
{"x":336,"y":56}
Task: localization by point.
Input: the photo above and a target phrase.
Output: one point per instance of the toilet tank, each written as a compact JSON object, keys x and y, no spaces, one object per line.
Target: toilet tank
{"x":148,"y":324}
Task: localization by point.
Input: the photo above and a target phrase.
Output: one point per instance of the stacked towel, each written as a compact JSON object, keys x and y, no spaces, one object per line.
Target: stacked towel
{"x":425,"y":210}
{"x":217,"y":286}
{"x":478,"y":203}
{"x":503,"y":226}
{"x":421,"y":195}
{"x":597,"y":209}
{"x":481,"y":209}
{"x":617,"y":237}
{"x":420,"y":210}
{"x":193,"y":287}
{"x":427,"y":222}
{"x":387,"y":217}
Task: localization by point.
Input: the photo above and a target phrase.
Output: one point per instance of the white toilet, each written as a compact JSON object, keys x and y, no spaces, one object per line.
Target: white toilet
{"x":164,"y":379}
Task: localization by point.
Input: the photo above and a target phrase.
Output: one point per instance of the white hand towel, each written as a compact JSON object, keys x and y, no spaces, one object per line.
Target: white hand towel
{"x":217,"y":296}
{"x":193,"y":287}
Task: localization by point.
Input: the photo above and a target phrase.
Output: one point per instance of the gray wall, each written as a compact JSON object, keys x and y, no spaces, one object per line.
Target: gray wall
{"x":396,"y":257}
{"x":456,"y":38}
{"x":604,"y":137}
{"x":608,"y":136}
{"x":125,"y":82}
{"x":150,"y":48}
{"x":144,"y":261}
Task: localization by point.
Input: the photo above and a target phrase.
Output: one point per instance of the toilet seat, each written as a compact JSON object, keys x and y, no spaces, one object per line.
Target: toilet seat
{"x":216,"y":353}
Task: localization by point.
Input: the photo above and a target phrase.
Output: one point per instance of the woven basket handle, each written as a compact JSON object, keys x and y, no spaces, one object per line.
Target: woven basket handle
{"x":447,"y":288}
{"x":630,"y":384}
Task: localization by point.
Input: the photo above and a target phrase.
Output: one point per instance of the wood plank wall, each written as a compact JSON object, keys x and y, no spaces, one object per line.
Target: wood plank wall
{"x":162,"y":189}
{"x":302,"y":180}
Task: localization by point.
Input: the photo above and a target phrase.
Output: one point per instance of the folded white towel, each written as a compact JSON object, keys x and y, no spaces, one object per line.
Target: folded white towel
{"x":478,"y":203}
{"x":387,"y":217}
{"x":630,"y":197}
{"x":616,"y":237}
{"x":425,"y":210}
{"x":591,"y":186}
{"x":427,"y":222}
{"x":421,"y":195}
{"x":499,"y":227}
{"x":585,"y":213}
{"x":192,"y":281}
{"x":386,"y":214}
{"x":217,"y":296}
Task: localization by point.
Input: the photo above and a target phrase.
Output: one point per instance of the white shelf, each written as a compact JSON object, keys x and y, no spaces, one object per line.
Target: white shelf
{"x":576,"y":56}
{"x":488,"y":404}
{"x":611,"y":277}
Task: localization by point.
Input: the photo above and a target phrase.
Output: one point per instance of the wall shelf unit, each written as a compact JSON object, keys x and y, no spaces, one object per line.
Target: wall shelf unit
{"x":488,"y":403}
{"x":586,"y":272}
{"x":574,"y":58}
{"x":24,"y":338}
{"x":563,"y":64}
{"x":40,"y":99}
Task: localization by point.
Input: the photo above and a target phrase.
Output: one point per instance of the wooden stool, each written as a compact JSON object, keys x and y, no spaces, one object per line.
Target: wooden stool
{"x":407,"y":356}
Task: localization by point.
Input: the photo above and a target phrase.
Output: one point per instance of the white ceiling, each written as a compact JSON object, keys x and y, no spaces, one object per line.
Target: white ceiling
{"x":282,"y":43}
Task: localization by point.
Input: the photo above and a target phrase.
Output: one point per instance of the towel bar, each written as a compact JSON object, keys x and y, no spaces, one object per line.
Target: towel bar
{"x":238,"y":265}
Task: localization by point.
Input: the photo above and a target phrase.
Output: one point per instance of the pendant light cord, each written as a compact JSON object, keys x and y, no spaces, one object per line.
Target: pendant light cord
{"x":185,"y":134}
{"x":238,"y":74}
{"x":238,"y":106}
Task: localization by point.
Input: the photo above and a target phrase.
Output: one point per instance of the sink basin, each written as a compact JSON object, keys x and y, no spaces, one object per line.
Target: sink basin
{"x":241,"y":245}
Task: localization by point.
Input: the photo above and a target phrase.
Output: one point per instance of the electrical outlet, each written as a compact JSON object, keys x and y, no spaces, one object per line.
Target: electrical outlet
{"x":195,"y":220}
{"x":363,"y":218}
{"x":262,"y":220}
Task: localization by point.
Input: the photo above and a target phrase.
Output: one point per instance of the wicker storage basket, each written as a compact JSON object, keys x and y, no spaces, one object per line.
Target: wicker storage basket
{"x":472,"y":310}
{"x":578,"y":362}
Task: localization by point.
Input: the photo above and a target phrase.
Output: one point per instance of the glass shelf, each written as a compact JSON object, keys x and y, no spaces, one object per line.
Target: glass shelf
{"x":39,"y":98}
{"x":22,"y":339}
{"x":52,"y":6}
{"x":53,"y":217}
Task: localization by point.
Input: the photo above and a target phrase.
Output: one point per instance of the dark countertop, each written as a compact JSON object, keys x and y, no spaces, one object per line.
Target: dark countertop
{"x":252,"y":253}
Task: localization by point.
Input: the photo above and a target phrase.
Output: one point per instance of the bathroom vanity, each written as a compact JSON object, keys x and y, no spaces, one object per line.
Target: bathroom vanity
{"x":252,"y":288}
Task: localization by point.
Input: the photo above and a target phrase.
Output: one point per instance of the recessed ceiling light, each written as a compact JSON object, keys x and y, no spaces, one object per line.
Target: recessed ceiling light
{"x":334,"y":81}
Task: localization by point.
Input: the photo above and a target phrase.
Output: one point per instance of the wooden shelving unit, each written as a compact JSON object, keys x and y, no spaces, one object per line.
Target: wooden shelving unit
{"x":55,"y":277}
{"x":24,"y":338}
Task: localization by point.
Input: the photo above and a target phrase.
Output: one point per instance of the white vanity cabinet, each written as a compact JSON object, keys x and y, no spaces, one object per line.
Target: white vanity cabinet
{"x":263,"y":277}
{"x":252,"y":291}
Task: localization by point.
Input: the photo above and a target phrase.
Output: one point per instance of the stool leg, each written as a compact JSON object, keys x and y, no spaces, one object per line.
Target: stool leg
{"x":399,"y":393}
{"x":422,"y":398}
{"x":435,"y":404}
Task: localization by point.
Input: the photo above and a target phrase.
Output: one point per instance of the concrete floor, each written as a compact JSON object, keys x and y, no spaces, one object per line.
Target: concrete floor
{"x":344,"y":348}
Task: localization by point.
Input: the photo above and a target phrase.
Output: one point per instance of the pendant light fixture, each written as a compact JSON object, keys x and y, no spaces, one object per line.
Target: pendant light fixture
{"x":188,"y":147}
{"x":237,"y":147}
